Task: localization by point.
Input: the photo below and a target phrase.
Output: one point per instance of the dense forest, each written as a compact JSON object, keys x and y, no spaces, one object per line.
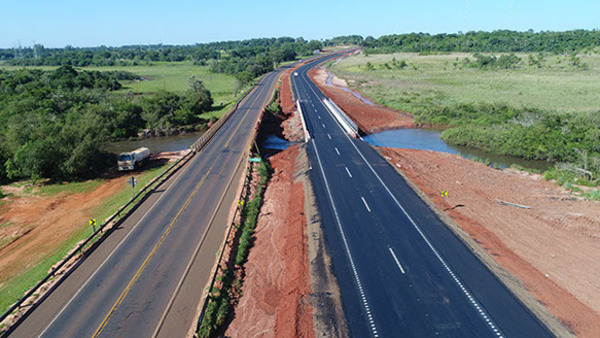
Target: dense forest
{"x":53,"y":123}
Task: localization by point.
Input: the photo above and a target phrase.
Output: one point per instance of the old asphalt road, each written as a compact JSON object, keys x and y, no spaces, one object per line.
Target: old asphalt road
{"x":401,"y":271}
{"x":147,"y":278}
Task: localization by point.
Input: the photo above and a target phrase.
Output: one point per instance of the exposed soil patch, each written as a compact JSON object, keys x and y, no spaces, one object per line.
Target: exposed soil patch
{"x":285,"y":93}
{"x":36,"y":225}
{"x":292,"y":126}
{"x":369,"y":118}
{"x":277,"y":282}
{"x":552,"y":248}
{"x":40,"y":224}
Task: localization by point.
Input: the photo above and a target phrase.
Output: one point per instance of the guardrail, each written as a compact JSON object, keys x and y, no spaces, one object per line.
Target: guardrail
{"x":243,"y":196}
{"x":95,"y":240}
{"x":347,"y":124}
{"x":306,"y":133}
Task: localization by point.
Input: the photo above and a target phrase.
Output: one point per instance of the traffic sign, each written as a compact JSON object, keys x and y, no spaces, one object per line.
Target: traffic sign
{"x":92,"y":221}
{"x":444,"y":193}
{"x":255,"y":159}
{"x":132,"y":181}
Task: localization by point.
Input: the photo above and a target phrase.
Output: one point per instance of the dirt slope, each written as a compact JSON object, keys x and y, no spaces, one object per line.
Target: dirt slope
{"x":552,"y":248}
{"x":277,"y":282}
{"x":369,"y":118}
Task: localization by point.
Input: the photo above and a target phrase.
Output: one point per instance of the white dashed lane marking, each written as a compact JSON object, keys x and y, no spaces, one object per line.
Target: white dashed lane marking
{"x":365,"y":202}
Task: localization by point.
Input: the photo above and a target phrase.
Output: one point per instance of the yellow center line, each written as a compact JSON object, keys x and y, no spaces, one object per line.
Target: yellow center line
{"x":147,"y":260}
{"x":160,"y":241}
{"x":240,"y":124}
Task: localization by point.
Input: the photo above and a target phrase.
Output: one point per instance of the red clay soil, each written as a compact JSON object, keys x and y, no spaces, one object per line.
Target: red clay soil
{"x":285,"y":94}
{"x":37,"y":225}
{"x":292,"y":126}
{"x":369,"y":118}
{"x":277,"y":278}
{"x":552,"y":248}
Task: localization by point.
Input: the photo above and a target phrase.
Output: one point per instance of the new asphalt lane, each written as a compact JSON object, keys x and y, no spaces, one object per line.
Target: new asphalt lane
{"x":147,"y":278}
{"x":401,"y":271}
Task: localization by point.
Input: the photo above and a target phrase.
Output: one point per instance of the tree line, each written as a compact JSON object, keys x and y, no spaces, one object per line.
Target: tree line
{"x":247,"y":58}
{"x":53,"y":124}
{"x":478,"y":42}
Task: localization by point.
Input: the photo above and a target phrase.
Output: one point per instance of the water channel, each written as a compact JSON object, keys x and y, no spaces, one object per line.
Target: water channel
{"x":429,"y":139}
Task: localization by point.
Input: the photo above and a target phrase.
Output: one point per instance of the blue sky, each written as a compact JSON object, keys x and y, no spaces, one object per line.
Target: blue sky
{"x":85,"y":23}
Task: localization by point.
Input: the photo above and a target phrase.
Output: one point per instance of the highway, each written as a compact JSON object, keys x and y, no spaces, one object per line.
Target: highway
{"x":146,"y":279}
{"x":401,"y":271}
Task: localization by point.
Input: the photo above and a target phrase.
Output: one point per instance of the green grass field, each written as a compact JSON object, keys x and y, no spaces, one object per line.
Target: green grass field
{"x":170,"y":76}
{"x":557,"y":86}
{"x":12,"y":289}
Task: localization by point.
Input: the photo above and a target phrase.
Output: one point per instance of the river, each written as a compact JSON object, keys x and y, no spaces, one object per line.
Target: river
{"x":156,"y":144}
{"x":429,"y":139}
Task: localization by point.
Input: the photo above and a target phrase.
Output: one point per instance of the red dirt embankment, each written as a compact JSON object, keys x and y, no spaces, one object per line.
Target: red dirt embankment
{"x":285,"y":93}
{"x":369,"y":118}
{"x":292,"y":126}
{"x":552,"y":248}
{"x":277,"y":278}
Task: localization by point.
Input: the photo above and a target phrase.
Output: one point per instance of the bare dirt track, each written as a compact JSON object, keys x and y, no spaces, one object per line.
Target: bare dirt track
{"x":369,"y":118}
{"x":552,"y":248}
{"x":277,"y":282}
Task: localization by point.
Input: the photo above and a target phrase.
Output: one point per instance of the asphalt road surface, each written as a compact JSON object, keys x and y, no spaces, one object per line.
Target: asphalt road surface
{"x":401,"y":271}
{"x":147,"y":278}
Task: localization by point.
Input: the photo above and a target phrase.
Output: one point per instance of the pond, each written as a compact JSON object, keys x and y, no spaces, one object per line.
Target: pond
{"x":429,"y":139}
{"x":156,"y":144}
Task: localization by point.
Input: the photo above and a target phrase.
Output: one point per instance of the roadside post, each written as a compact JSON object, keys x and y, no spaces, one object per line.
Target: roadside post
{"x":444,"y":194}
{"x":132,"y":182}
{"x":93,"y":224}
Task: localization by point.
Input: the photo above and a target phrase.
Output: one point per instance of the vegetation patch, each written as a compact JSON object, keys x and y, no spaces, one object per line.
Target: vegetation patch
{"x":544,"y":108}
{"x":53,"y":124}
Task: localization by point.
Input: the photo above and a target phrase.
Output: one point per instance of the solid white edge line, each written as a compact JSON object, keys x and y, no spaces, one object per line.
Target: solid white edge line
{"x":365,"y":202}
{"x":397,"y":261}
{"x":345,"y":241}
{"x":458,"y":282}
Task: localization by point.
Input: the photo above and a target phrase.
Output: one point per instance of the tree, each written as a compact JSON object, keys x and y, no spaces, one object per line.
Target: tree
{"x":198,"y":97}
